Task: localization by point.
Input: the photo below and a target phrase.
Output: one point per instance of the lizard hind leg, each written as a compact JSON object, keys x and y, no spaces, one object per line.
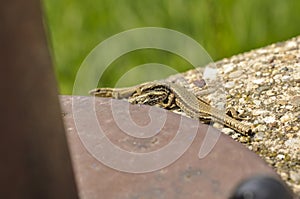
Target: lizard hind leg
{"x":231,"y":112}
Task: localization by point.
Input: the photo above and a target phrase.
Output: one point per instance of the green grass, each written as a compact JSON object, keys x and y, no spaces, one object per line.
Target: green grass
{"x":222,"y":27}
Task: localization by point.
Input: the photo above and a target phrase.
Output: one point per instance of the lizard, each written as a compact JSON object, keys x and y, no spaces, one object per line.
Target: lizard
{"x":170,"y":95}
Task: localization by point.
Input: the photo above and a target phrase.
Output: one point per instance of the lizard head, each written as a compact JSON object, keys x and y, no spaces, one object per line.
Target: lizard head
{"x":101,"y":92}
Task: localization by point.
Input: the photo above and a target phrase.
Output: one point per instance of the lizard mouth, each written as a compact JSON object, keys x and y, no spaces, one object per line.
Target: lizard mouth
{"x":94,"y":91}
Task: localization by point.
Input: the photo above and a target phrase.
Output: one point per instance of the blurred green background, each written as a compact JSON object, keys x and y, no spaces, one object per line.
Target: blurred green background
{"x":222,"y":27}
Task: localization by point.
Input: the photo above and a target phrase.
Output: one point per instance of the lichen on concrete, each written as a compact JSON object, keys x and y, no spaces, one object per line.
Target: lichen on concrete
{"x":263,"y":85}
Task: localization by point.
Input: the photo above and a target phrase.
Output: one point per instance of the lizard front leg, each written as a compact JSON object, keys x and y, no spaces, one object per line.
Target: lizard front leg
{"x":169,"y":102}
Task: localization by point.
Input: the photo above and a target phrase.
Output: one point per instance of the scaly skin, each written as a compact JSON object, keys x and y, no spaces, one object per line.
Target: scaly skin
{"x":170,"y":95}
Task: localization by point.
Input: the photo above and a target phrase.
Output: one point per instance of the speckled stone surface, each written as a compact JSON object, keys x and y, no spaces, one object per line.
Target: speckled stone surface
{"x":263,"y":85}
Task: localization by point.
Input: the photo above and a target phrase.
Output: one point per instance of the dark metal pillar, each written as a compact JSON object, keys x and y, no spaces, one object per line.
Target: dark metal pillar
{"x":34,"y":157}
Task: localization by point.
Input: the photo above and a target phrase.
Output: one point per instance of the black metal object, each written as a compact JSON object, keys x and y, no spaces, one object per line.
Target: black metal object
{"x":35,"y":162}
{"x":261,"y":187}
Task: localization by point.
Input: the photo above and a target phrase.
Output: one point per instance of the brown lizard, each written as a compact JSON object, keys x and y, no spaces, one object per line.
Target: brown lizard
{"x":170,"y":95}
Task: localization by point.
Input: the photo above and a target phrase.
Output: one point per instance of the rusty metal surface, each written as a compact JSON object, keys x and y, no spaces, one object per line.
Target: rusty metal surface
{"x":213,"y":176}
{"x":35,"y":161}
